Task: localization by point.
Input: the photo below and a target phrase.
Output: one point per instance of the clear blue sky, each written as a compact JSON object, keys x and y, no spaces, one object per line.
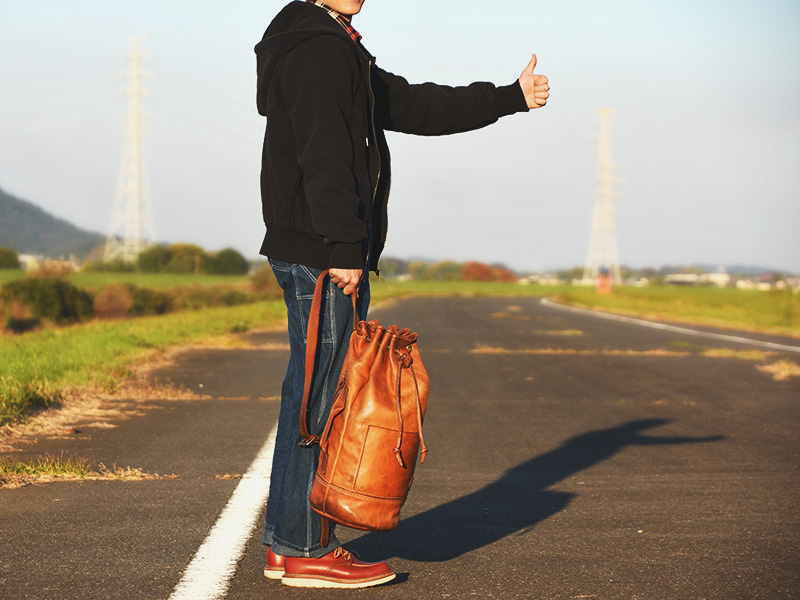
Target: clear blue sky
{"x":706,"y":132}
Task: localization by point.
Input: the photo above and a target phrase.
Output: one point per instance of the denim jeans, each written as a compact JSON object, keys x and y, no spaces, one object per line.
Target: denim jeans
{"x":292,"y":527}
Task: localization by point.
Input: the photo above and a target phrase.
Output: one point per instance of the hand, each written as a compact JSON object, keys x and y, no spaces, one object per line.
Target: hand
{"x":347,"y":279}
{"x":535,"y":87}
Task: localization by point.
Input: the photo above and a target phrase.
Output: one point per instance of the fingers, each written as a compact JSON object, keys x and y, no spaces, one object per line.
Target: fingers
{"x":350,"y":288}
{"x":541,"y":89}
{"x":346,"y":279}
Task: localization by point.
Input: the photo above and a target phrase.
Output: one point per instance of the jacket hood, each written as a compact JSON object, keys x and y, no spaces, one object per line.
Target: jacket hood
{"x":295,"y":24}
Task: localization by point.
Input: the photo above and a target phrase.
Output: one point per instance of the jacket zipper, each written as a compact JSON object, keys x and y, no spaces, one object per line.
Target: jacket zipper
{"x":378,"y":178}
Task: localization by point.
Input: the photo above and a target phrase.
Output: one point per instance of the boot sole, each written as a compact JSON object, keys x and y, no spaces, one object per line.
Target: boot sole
{"x":273,"y":573}
{"x":321,"y":582}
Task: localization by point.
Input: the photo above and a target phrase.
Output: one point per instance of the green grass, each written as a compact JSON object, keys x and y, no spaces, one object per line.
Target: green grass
{"x":382,"y":288}
{"x":8,"y":275}
{"x":160,"y":281}
{"x":12,"y":470}
{"x":37,"y":369}
{"x":774,"y":311}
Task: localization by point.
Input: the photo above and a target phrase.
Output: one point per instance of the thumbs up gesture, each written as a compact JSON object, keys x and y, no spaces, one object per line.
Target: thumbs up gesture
{"x":535,"y":87}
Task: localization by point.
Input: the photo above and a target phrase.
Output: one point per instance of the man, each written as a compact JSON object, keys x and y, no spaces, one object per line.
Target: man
{"x":325,"y":184}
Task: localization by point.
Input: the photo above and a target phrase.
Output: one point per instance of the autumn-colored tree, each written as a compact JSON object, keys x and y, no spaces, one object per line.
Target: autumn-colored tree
{"x":476,"y":271}
{"x":506,"y":275}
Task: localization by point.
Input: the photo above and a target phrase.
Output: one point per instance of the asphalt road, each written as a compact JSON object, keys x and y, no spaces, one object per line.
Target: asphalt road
{"x":570,"y":457}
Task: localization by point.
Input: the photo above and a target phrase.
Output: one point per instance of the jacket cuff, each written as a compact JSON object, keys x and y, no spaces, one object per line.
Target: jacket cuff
{"x":509,"y":99}
{"x":346,"y":256}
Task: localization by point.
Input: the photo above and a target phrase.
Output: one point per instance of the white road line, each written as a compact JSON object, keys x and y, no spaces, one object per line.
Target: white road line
{"x":665,"y":327}
{"x":209,"y":573}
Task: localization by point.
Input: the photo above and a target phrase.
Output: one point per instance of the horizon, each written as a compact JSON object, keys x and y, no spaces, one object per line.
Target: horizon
{"x":731,"y":268}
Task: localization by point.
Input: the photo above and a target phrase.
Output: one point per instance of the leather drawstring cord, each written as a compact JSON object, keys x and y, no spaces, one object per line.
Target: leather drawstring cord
{"x":406,"y":363}
{"x":397,"y":450}
{"x":419,"y":418}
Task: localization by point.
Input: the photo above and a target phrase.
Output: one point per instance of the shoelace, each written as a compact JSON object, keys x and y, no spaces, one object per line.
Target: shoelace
{"x":342,"y":553}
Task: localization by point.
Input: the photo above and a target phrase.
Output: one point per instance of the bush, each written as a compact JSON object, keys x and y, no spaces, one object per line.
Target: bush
{"x":233,"y":297}
{"x":49,"y":298}
{"x":148,"y":302}
{"x":113,"y":266}
{"x":113,"y":301}
{"x":55,"y":268}
{"x":263,"y":282}
{"x":8,"y":259}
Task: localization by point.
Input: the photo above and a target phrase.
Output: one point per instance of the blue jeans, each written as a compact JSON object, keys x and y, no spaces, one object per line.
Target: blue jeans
{"x":292,"y":527}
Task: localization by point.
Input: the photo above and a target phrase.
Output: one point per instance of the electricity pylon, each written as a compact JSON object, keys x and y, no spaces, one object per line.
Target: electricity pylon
{"x":602,"y":253}
{"x":132,"y":229}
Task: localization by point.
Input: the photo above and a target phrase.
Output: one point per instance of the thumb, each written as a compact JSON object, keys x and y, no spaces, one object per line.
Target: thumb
{"x":531,"y":65}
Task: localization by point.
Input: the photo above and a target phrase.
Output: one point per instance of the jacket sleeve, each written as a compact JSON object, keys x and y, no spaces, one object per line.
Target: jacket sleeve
{"x":318,"y":78}
{"x":432,"y":109}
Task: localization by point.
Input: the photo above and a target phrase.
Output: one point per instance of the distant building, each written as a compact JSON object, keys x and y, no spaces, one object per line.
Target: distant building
{"x":30,"y":262}
{"x":719,"y":279}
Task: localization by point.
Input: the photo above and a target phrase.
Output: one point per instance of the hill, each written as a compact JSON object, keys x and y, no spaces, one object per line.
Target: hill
{"x":29,"y":230}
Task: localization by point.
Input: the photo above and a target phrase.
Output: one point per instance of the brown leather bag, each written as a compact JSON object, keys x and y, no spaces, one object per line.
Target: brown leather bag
{"x":370,"y":444}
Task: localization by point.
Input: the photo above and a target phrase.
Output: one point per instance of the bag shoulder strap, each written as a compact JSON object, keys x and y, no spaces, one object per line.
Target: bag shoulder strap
{"x":312,"y":335}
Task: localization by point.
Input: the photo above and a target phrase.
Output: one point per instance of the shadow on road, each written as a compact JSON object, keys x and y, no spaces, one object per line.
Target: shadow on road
{"x":513,"y":504}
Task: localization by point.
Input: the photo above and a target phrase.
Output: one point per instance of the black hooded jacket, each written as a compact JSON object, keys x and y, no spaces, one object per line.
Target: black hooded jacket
{"x":325,"y":165}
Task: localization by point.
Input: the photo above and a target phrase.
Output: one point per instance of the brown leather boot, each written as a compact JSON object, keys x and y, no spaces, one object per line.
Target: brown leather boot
{"x":339,"y":569}
{"x":274,"y":568}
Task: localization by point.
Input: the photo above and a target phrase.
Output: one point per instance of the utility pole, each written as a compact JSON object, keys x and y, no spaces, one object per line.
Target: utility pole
{"x":132,"y":229}
{"x":602,"y":255}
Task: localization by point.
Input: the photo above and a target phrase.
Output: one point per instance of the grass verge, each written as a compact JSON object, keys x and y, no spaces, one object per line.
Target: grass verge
{"x":776,"y":312}
{"x":38,"y":369}
{"x":16,"y":474}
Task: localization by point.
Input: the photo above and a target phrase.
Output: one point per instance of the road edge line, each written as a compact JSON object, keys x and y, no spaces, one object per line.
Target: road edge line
{"x":210,"y":571}
{"x":663,"y":326}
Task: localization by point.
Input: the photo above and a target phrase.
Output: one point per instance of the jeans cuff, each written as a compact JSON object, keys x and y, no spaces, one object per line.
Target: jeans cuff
{"x":316,"y":551}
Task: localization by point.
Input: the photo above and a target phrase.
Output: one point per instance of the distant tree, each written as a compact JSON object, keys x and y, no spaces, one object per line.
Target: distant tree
{"x":155,"y":259}
{"x":186,"y":258}
{"x":507,"y":275}
{"x":476,"y":271}
{"x":393,"y":267}
{"x":446,"y":270}
{"x":227,"y":262}
{"x":419,"y":270}
{"x":8,"y":259}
